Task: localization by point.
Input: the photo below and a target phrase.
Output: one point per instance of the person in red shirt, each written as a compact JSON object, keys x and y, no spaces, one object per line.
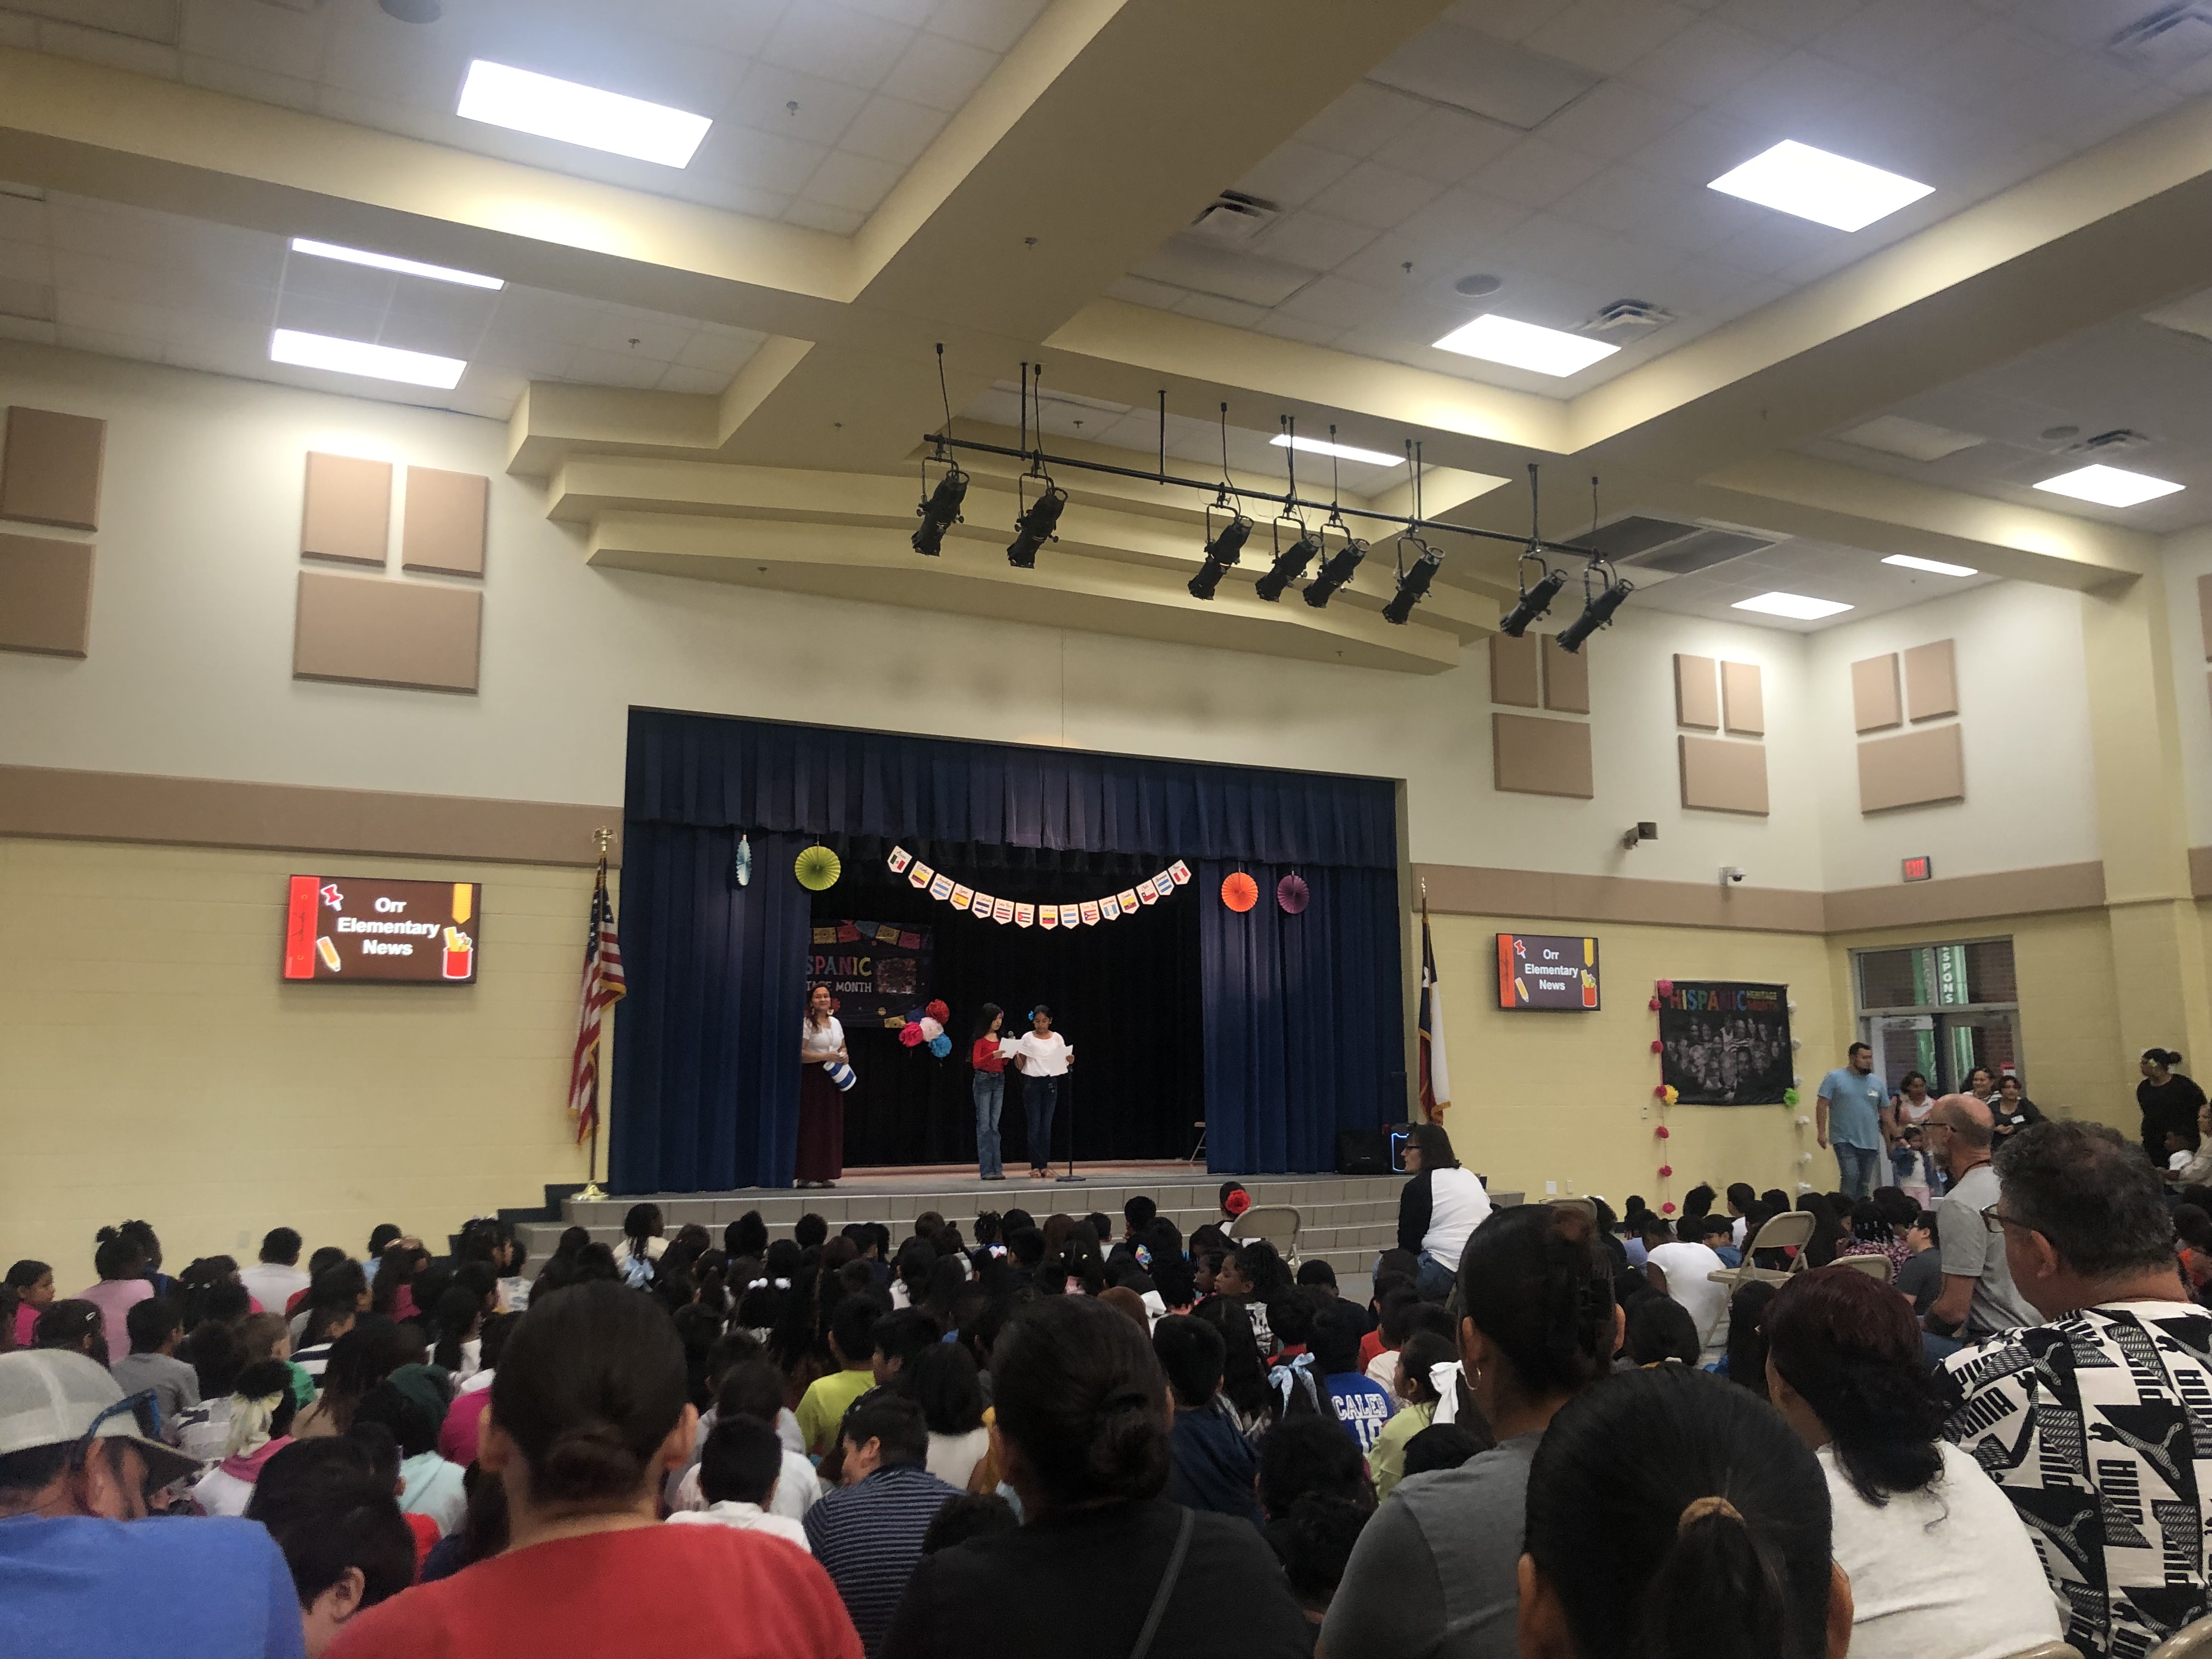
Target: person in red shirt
{"x":990,"y":1086}
{"x":588,"y":1415}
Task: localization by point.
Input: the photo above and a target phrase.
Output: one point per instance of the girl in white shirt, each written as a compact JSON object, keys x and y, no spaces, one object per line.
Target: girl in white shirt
{"x":1045,"y":1058}
{"x":821,"y":1155}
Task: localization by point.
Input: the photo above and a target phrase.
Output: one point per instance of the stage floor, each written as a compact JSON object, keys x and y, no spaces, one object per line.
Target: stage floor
{"x":1345,"y":1220}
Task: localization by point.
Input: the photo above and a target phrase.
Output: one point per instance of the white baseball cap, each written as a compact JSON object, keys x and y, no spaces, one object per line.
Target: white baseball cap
{"x":52,"y":1397}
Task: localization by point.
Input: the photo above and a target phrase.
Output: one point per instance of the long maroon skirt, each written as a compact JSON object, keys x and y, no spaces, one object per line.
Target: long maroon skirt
{"x":821,"y":1126}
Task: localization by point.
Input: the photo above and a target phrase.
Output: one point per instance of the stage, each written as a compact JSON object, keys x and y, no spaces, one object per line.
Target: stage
{"x":1344,"y":1220}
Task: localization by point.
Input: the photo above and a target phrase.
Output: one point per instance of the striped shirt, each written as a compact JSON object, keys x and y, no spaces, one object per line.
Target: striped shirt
{"x":868,"y":1537}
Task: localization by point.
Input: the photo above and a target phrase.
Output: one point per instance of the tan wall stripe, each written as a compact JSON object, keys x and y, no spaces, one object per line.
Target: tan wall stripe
{"x":37,"y":800}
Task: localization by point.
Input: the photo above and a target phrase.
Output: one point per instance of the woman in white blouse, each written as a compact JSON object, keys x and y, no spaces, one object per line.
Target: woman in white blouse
{"x":821,"y":1158}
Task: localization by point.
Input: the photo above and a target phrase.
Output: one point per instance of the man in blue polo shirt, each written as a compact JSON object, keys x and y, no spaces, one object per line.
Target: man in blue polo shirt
{"x":1849,"y":1114}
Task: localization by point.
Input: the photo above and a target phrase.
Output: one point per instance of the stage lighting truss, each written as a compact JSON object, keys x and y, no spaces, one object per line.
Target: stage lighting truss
{"x":1597,"y":607}
{"x":1223,"y":547}
{"x":1289,"y":563}
{"x":939,"y":509}
{"x":1417,"y":567}
{"x":1337,"y":568}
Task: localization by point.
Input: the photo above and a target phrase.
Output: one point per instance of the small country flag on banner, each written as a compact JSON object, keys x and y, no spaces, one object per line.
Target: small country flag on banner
{"x":982,"y":904}
{"x":963,"y":897}
{"x":1024,"y":915}
{"x":920,"y":876}
{"x":1048,"y":916}
{"x":1180,"y":871}
{"x":1090,"y":912}
{"x":910,"y":941}
{"x":1111,"y":908}
{"x":900,"y":859}
{"x":1147,"y":894}
{"x":847,"y":933}
{"x":1163,"y":884}
{"x":941,"y":888}
{"x":1002,"y":910}
{"x":1128,"y":897}
{"x":825,"y":936}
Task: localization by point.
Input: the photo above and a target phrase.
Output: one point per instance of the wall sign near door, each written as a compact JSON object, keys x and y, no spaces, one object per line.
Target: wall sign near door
{"x":1545,"y":970}
{"x":365,"y":927}
{"x":1920,"y":869}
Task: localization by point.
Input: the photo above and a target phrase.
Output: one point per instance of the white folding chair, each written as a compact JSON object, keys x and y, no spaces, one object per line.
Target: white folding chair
{"x":1276,"y":1223}
{"x":1791,"y":1229}
{"x":1879,"y":1269}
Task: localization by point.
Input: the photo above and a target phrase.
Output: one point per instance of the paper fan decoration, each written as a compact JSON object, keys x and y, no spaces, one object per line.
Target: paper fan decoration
{"x":1291,"y":893}
{"x":1240,"y":892}
{"x":817,"y":869}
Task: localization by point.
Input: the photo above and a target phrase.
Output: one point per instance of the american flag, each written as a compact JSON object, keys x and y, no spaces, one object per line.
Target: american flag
{"x":602,"y":987}
{"x":1436,"y":1076}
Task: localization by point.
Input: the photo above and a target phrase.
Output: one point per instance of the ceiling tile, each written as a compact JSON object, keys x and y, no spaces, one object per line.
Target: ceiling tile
{"x":26,"y":262}
{"x":1374,"y":195}
{"x":1363,"y":119}
{"x":1791,"y":21}
{"x":1886,"y":36}
{"x":116,"y":50}
{"x":1447,"y":145}
{"x":677,"y":377}
{"x":837,"y":44}
{"x":892,"y":130}
{"x":1294,"y":172}
{"x":1214,"y":309}
{"x":1333,"y":300}
{"x":1608,"y":35}
{"x":1535,"y":172}
{"x":1287,"y":327}
{"x":820,"y":216}
{"x":1705,"y":62}
{"x":255,"y":36}
{"x":592,"y":366}
{"x":939,"y":72}
{"x":765,"y":98}
{"x":1617,"y":120}
{"x":1509,"y":20}
{"x":719,"y":350}
{"x":994,"y":25}
{"x":1313,"y":240}
{"x":847,"y":180}
{"x":217,"y":75}
{"x":762,"y":161}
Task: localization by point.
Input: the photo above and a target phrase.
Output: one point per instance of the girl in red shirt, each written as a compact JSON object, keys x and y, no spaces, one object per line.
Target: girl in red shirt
{"x":990,"y":1087}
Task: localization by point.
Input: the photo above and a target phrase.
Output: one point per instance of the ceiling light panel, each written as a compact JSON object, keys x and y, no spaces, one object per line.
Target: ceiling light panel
{"x":1342,"y":451}
{"x":1934,"y":567}
{"x":502,"y":95}
{"x":1796,"y":606}
{"x":379,"y":362}
{"x":1812,"y":184}
{"x":1498,"y":339}
{"x":354,"y":256}
{"x":2109,"y":486}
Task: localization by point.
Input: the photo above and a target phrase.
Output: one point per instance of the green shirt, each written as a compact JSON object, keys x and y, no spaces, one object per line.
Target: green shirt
{"x":822,"y":1412}
{"x":1386,"y":1464}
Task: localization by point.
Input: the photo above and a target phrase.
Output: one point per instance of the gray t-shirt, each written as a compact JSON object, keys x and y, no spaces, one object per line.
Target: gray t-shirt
{"x":175,"y":1384}
{"x":1433,"y":1573}
{"x":1971,"y":1250}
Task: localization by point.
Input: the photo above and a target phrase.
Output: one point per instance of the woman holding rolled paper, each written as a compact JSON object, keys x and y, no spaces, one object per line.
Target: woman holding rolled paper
{"x":825,"y":1072}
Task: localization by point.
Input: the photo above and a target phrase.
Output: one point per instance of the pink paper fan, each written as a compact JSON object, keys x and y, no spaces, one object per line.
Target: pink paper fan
{"x":1290,"y":893}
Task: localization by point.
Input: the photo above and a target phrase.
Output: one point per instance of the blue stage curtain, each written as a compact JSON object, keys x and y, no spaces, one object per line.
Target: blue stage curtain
{"x":1304,"y":1017}
{"x":706,"y":1071}
{"x":759,"y":775}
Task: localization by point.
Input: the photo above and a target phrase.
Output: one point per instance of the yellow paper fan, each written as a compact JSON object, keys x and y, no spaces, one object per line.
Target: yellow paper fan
{"x":817,"y":869}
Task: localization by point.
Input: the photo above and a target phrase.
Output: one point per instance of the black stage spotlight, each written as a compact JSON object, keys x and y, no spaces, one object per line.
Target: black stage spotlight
{"x":1034,"y":527}
{"x":1595,"y":615}
{"x":1336,"y":571}
{"x":1224,"y":549}
{"x":1203,"y":584}
{"x":940,"y":512}
{"x":1535,"y":602}
{"x":1289,"y":564}
{"x":1412,"y":585}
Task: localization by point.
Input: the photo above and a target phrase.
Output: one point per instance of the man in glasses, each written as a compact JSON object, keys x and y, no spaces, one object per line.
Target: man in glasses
{"x":1978,"y":1298}
{"x":2097,"y":1422}
{"x":83,"y":1570}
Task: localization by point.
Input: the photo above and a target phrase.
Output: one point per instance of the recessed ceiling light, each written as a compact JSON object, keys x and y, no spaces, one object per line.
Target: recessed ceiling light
{"x":354,"y":256}
{"x":1524,"y":345}
{"x":2109,"y":486}
{"x":1796,"y":606}
{"x":504,"y":96}
{"x":379,"y":362}
{"x":1829,"y":190}
{"x":1342,"y":451}
{"x":1934,"y":567}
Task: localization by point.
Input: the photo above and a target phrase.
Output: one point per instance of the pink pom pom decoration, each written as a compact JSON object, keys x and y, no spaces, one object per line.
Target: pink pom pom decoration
{"x":1666,"y":1170}
{"x":1663,"y":1132}
{"x":910,"y":1034}
{"x":1654,"y":1005}
{"x":1666,"y":1209}
{"x":1666,"y":987}
{"x":1654,"y":1045}
{"x":1659,"y":1092}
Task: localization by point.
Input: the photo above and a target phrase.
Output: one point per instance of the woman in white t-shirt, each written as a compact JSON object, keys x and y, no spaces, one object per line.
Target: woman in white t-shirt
{"x":1938,"y":1560}
{"x":821,"y":1157}
{"x":1045,"y":1058}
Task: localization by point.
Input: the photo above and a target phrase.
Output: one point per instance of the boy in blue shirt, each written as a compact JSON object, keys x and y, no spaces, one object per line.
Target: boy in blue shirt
{"x":1362,"y":1404}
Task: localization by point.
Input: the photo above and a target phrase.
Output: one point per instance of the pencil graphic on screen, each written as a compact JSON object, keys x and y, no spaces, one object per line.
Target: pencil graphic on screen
{"x":329,"y":952}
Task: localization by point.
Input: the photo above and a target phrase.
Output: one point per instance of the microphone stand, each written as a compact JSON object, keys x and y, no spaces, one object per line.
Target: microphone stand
{"x":1068,"y":1080}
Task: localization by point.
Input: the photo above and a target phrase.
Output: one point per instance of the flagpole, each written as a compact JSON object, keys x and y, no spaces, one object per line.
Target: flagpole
{"x":591,"y":1191}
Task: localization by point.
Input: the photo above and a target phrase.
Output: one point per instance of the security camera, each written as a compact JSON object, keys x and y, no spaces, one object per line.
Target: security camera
{"x":1731,"y":874}
{"x":1636,"y":833}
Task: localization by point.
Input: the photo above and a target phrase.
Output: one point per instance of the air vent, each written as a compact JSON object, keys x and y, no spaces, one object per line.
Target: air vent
{"x":1627,"y":319}
{"x":1670,"y":546}
{"x":1235,"y":218}
{"x":2119,"y":442}
{"x":2175,"y":33}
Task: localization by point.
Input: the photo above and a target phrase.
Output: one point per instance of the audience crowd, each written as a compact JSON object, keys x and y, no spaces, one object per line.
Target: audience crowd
{"x":1756,"y":1427}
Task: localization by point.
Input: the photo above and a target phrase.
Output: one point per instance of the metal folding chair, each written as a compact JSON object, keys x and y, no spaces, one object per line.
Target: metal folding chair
{"x":1791,"y":1229}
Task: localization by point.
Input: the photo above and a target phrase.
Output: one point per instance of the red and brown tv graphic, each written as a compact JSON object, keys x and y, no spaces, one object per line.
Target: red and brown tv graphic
{"x":367,"y":928}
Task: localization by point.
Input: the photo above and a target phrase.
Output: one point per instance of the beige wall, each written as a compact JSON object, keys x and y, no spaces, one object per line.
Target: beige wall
{"x":156,"y":1064}
{"x":1566,"y":1096}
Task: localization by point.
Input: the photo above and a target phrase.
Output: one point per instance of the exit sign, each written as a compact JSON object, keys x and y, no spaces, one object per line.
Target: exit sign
{"x":1919,"y":869}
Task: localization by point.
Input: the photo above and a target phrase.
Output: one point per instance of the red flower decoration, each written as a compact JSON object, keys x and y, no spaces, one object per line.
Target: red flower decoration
{"x":1666,"y":1170}
{"x":1666,"y":1209}
{"x":1659,"y":1093}
{"x":1654,"y":1045}
{"x":1666,"y":987}
{"x":939,"y":1011}
{"x":1654,"y":1005}
{"x":1663,"y":1132}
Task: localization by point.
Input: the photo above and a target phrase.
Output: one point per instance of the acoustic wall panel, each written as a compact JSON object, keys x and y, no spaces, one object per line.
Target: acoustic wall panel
{"x":1874,"y":701}
{"x":1697,"y":693}
{"x":2205,"y":612}
{"x":1513,"y":670}
{"x":1534,"y":756}
{"x":1931,"y":681}
{"x":442,"y":525}
{"x":1566,"y":679}
{"x":1743,"y":700}
{"x":1915,"y":769}
{"x":386,"y":633}
{"x":45,"y":595}
{"x":50,"y":468}
{"x":1719,"y":776}
{"x":348,"y":509}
